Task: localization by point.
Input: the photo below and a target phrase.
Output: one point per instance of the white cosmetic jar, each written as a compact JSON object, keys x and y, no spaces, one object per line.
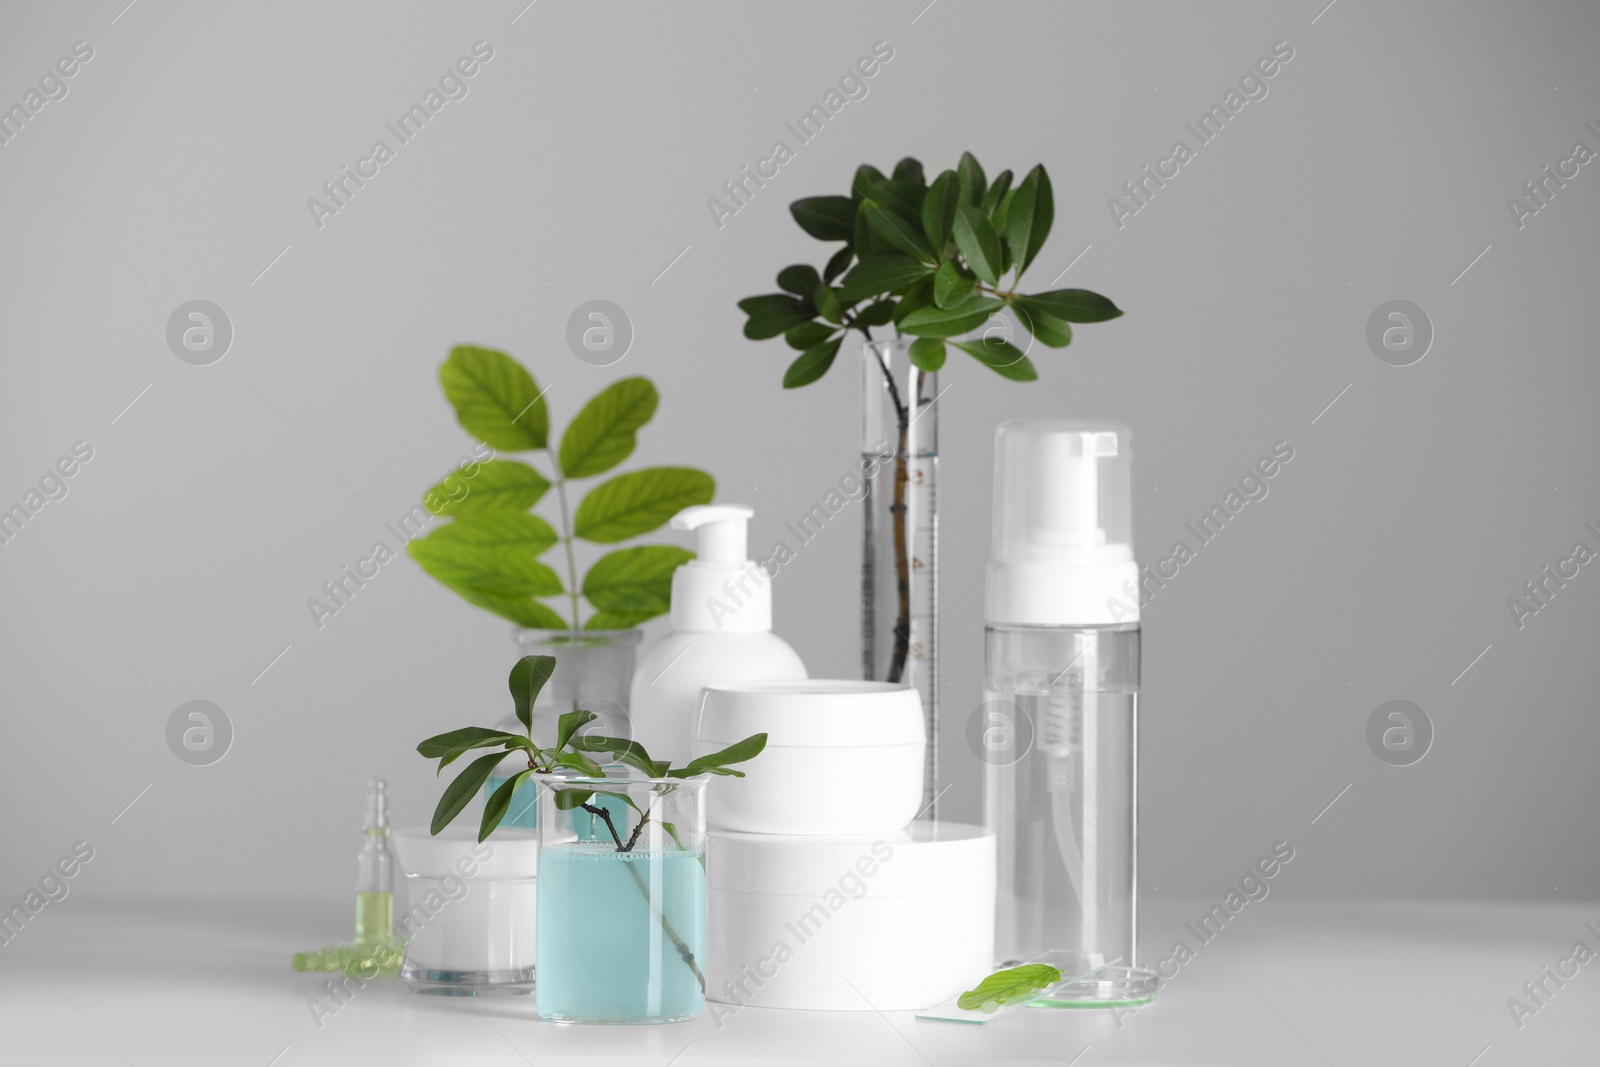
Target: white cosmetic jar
{"x":842,"y":757}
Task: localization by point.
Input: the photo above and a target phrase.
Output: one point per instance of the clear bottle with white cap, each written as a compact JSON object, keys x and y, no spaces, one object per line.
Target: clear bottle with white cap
{"x":1058,"y":731}
{"x":721,"y":623}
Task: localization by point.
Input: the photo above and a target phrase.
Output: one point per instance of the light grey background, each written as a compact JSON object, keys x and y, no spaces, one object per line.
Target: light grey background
{"x":578,"y":168}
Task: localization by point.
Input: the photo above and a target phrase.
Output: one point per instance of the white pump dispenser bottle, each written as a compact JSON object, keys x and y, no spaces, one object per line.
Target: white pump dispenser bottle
{"x":721,"y":623}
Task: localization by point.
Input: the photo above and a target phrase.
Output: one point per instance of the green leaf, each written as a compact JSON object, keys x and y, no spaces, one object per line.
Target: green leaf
{"x":927,"y":353}
{"x":909,"y":170}
{"x":582,"y":764}
{"x":636,"y":582}
{"x":952,"y":285}
{"x":949,"y":322}
{"x":499,"y":485}
{"x":567,"y":799}
{"x":799,"y":279}
{"x":996,"y":192}
{"x":1010,"y":986}
{"x":808,"y":335}
{"x":522,"y":610}
{"x":1046,"y":327}
{"x":773,"y":314}
{"x":499,"y":803}
{"x":878,"y":314}
{"x":618,"y":620}
{"x":481,"y":736}
{"x":1075,"y":305}
{"x":865,"y":239}
{"x":898,"y":227}
{"x":866,"y":178}
{"x":827,"y":218}
{"x":979,"y":243}
{"x":1002,"y":213}
{"x":1028,"y":219}
{"x":828,"y":306}
{"x":1000,"y":356}
{"x":812,"y":364}
{"x":970,"y":174}
{"x":881,"y":272}
{"x":738,"y":752}
{"x":461,"y":750}
{"x":603,"y":433}
{"x":840,"y":260}
{"x":631,"y":753}
{"x":915,"y":298}
{"x":495,"y":552}
{"x":939,"y":208}
{"x":570,"y":723}
{"x":461,"y":791}
{"x":527,"y":679}
{"x":639,"y":501}
{"x":496,"y":399}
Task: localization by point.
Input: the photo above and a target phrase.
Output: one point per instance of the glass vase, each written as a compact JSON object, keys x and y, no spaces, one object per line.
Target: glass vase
{"x":621,"y":899}
{"x":900,"y":543}
{"x":594,"y":670}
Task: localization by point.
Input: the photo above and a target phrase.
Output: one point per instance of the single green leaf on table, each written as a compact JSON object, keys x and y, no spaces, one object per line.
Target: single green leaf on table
{"x":1011,"y":986}
{"x":909,"y":170}
{"x":915,"y":298}
{"x":812,"y":364}
{"x":898,"y":227}
{"x":808,"y":335}
{"x":1000,"y":356}
{"x":979,"y":243}
{"x":927,"y":353}
{"x":881,"y":272}
{"x":952,"y":285}
{"x":605,"y":432}
{"x":951,"y":322}
{"x":996,"y":192}
{"x":639,"y":501}
{"x":939,"y":209}
{"x":635,"y":581}
{"x":800,"y":279}
{"x":773,"y":314}
{"x":439,"y":744}
{"x":1028,"y":219}
{"x":828,"y":306}
{"x":1075,"y":305}
{"x":839,"y":262}
{"x":827,"y":218}
{"x":717,"y":762}
{"x":461,"y":791}
{"x":527,"y":680}
{"x":499,"y":485}
{"x":495,"y":552}
{"x":520,"y":609}
{"x":496,"y":399}
{"x":499,"y":803}
{"x":970,"y":174}
{"x":1046,"y":327}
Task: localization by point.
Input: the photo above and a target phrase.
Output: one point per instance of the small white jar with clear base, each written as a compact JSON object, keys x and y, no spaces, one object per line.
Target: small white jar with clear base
{"x":468,"y":911}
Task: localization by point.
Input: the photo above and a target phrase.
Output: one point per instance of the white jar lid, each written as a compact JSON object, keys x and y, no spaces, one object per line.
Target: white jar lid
{"x":456,"y":850}
{"x":926,"y":859}
{"x":811,"y":713}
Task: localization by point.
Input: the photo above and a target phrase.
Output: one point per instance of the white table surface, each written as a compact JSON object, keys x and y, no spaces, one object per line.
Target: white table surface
{"x":1290,"y":981}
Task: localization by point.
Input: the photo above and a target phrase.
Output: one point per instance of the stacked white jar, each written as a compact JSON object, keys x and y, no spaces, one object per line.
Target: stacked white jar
{"x":823,"y":892}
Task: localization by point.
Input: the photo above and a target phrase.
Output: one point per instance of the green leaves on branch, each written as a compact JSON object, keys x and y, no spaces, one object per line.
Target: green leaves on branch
{"x":490,"y":552}
{"x":527,"y":680}
{"x":932,"y":260}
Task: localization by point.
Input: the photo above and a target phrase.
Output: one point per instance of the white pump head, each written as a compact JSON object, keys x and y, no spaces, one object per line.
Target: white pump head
{"x":1062,"y":553}
{"x":720,"y":591}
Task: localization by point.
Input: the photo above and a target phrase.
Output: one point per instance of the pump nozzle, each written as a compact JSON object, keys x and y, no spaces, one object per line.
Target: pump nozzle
{"x":721,"y":588}
{"x":722,"y":530}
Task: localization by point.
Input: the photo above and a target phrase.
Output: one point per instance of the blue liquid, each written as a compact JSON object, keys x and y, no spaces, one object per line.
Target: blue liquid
{"x":603,"y":953}
{"x":524,"y":809}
